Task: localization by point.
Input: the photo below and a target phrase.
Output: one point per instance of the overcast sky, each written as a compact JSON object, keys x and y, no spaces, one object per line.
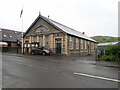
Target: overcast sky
{"x":94,"y":17}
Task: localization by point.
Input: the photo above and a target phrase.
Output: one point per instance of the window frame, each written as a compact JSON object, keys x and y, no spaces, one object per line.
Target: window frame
{"x":70,"y":43}
{"x":85,"y":44}
{"x":82,"y":44}
{"x":77,"y":43}
{"x":41,"y":29}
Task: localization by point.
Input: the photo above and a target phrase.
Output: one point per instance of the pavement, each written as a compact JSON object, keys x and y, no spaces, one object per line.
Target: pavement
{"x":85,"y":59}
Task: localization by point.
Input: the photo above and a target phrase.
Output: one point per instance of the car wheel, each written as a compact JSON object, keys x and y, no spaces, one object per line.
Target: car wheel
{"x":33,"y":53}
{"x":43,"y":53}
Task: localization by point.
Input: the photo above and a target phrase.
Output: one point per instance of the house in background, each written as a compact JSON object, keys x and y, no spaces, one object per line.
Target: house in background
{"x":102,"y":46}
{"x":61,"y":39}
{"x":10,"y":39}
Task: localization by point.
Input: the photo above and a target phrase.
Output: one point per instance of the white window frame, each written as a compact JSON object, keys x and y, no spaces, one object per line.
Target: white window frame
{"x":28,"y":45}
{"x":33,"y":45}
{"x":36,"y":45}
{"x":25,"y":45}
{"x":41,"y":29}
{"x":88,"y":44}
{"x":70,"y":43}
{"x":85,"y":44}
{"x":77,"y":43}
{"x":82,"y":44}
{"x":92,"y":46}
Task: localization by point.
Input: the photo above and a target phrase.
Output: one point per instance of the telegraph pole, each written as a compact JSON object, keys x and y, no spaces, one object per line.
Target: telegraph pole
{"x":21,"y":16}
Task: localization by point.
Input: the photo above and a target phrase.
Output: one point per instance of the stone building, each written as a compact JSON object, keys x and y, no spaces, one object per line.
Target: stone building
{"x":61,"y":39}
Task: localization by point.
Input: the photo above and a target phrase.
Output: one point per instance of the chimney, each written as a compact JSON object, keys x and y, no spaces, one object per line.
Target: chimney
{"x":39,"y":13}
{"x":48,"y":16}
{"x":83,"y":32}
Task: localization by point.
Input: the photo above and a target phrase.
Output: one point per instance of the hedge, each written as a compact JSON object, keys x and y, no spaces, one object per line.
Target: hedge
{"x":112,"y":53}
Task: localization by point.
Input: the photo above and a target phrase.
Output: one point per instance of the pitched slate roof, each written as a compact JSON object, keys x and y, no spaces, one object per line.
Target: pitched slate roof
{"x":10,"y":35}
{"x":61,"y":27}
{"x":109,"y":43}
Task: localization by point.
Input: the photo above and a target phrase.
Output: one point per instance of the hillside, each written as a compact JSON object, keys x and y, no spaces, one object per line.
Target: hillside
{"x":104,"y":39}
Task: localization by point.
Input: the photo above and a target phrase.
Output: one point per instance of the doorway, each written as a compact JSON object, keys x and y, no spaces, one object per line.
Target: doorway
{"x":58,"y":45}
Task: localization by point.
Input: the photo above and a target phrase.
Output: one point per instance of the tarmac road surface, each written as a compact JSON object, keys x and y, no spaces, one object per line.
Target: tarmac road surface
{"x":56,"y":72}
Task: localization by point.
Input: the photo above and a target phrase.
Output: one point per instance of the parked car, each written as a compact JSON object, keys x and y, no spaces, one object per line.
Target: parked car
{"x":41,"y":50}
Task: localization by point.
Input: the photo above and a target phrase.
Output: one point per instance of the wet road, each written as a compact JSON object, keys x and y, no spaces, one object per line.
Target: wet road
{"x":56,"y":72}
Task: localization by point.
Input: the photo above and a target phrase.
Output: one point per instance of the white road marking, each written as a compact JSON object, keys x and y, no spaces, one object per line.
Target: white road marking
{"x":98,"y":77}
{"x":31,"y":65}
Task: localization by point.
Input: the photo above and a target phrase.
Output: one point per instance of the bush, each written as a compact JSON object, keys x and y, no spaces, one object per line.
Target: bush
{"x":108,"y":58}
{"x":112,"y":49}
{"x":112,"y":53}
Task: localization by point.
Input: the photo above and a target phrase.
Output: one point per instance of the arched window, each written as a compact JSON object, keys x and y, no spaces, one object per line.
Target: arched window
{"x":41,"y":29}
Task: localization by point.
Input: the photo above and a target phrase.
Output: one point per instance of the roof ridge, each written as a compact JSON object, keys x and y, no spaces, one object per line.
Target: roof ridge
{"x":62,"y":27}
{"x":9,"y":29}
{"x":73,"y":30}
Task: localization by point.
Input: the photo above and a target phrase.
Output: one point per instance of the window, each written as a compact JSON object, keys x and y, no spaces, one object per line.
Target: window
{"x":25,"y":45}
{"x":57,"y":34}
{"x":28,"y":45}
{"x":36,"y":45}
{"x":77,"y":43}
{"x":81,"y":44}
{"x":47,"y":41}
{"x":41,"y":29}
{"x":40,"y":41}
{"x":70,"y":43}
{"x":15,"y":32}
{"x":93,"y":46}
{"x":88,"y":44}
{"x":85,"y":44}
{"x":27,"y":37}
{"x":35,"y":39}
{"x":10,"y":36}
{"x":33,"y":45}
{"x":4,"y":35}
